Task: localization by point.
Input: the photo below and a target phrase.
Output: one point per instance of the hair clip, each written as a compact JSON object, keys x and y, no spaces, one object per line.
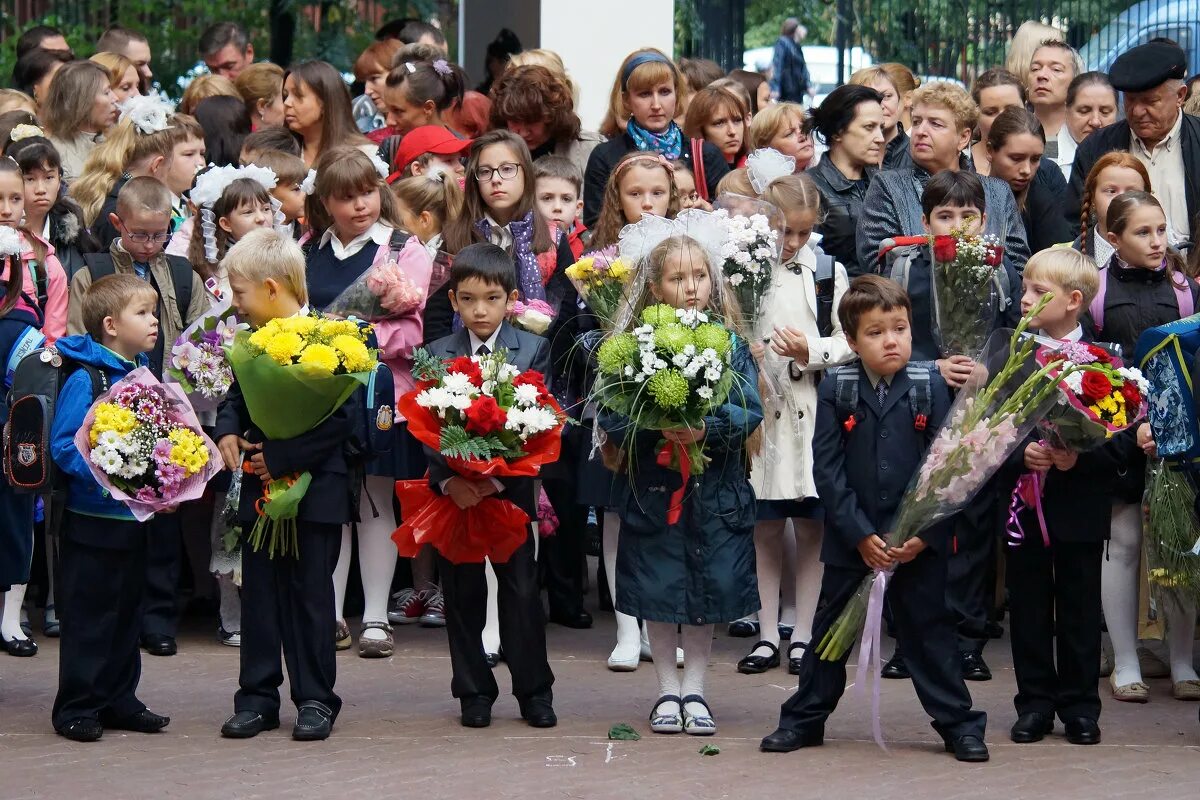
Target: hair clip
{"x":441,"y":67}
{"x":408,"y":65}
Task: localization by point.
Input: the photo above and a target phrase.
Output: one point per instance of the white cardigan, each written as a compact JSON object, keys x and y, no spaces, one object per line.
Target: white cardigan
{"x":783,"y":469}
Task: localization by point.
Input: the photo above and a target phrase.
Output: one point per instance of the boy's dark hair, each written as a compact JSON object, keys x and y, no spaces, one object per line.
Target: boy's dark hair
{"x":108,"y":297}
{"x":959,"y":189}
{"x":272,"y":137}
{"x":867,"y":293}
{"x":561,"y":167}
{"x":487,"y":262}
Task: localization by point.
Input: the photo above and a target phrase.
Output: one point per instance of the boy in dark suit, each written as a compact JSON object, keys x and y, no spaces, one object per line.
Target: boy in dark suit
{"x":1054,"y":591}
{"x":483,"y":287}
{"x":286,"y":600}
{"x":862,"y":469}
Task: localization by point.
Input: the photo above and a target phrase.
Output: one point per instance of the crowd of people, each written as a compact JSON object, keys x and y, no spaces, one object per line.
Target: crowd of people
{"x":275,"y":188}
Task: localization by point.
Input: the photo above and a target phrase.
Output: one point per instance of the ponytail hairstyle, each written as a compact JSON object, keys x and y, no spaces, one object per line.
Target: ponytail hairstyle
{"x":795,"y":192}
{"x":343,"y":172}
{"x":612,"y":216}
{"x":1014,"y":122}
{"x":235,"y":195}
{"x":36,"y":152}
{"x":1117,"y":158}
{"x":435,"y":192}
{"x":15,"y":282}
{"x":1117,"y":220}
{"x":439,"y":82}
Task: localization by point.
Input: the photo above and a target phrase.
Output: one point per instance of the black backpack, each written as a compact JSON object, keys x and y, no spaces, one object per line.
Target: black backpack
{"x":101,"y":264}
{"x":920,"y":398}
{"x":824,"y":282}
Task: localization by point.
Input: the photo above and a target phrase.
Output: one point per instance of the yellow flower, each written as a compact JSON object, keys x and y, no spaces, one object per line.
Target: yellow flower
{"x":339,"y":327}
{"x":112,"y":417}
{"x":302,"y":325}
{"x":260,"y":337}
{"x":284,"y":347}
{"x":321,"y":356}
{"x":355,"y":354}
{"x":618,"y":270}
{"x":188,"y":450}
{"x":582,"y":269}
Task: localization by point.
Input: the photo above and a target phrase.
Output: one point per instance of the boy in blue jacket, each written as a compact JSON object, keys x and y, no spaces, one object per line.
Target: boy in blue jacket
{"x":103,"y":550}
{"x":862,"y":463}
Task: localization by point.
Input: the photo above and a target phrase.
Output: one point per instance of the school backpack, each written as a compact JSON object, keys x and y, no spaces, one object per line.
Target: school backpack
{"x":1167,"y":355}
{"x":920,"y":397}
{"x":1183,"y":299}
{"x":824,"y":283}
{"x":101,"y":264}
{"x":895,"y":261}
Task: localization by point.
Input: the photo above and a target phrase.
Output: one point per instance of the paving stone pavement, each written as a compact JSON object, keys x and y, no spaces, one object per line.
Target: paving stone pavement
{"x":398,"y":737}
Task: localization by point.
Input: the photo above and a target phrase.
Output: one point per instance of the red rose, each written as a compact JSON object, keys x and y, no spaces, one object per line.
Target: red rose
{"x":994,"y":257}
{"x":465,"y":366}
{"x":945,"y":248}
{"x":1096,"y":387}
{"x":1100,"y":353}
{"x":1133,"y":398}
{"x":531,"y":377}
{"x":484,"y":417}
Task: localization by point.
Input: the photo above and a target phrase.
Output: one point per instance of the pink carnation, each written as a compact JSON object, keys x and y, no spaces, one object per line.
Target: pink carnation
{"x":396,"y":292}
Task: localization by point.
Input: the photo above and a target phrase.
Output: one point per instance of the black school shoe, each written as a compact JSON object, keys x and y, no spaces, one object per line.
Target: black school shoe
{"x":313,"y":723}
{"x":156,"y":644}
{"x":81,"y":730}
{"x":969,"y":748}
{"x":1082,"y":731}
{"x":538,"y":712}
{"x":974,"y":668}
{"x":1031,"y":727}
{"x":144,"y":721}
{"x":248,"y":724}
{"x":785,"y":740}
{"x":476,"y":712}
{"x":895,"y":668}
{"x":753,"y":664}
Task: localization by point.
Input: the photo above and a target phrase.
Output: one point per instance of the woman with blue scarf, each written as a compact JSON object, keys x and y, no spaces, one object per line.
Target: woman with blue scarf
{"x":646,"y":94}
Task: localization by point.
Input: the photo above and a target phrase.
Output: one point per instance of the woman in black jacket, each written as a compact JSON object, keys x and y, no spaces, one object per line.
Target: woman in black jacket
{"x":1015,"y":146}
{"x":850,"y":123}
{"x":645,"y":96}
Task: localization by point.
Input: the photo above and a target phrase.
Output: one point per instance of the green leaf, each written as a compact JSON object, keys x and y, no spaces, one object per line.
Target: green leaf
{"x":456,"y":442}
{"x":710,"y":750}
{"x":623,"y":732}
{"x":427,"y":367}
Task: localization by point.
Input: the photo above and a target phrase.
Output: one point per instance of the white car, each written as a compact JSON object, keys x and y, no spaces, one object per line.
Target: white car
{"x":822,"y":65}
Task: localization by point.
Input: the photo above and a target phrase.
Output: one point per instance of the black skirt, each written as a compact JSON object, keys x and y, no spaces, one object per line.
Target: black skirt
{"x":406,"y":461}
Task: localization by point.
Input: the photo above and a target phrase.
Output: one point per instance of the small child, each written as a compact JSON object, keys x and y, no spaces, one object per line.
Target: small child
{"x":558,"y":186}
{"x":236,"y":207}
{"x":428,"y":148}
{"x":103,"y":549}
{"x":290,"y":173}
{"x":1112,"y":175}
{"x":286,"y":601}
{"x":685,"y":185}
{"x":861,"y":476}
{"x":482,"y":290}
{"x":640,"y":183}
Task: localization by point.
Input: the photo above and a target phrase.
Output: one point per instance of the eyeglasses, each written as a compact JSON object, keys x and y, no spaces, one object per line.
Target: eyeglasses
{"x":147,"y":238}
{"x":507,"y":172}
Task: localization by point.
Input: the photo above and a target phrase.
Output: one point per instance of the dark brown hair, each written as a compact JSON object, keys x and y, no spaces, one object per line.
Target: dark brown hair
{"x":1118,"y":218}
{"x":706,"y":104}
{"x":1014,"y":122}
{"x":423,"y":82}
{"x":337,"y":120}
{"x":997,"y":76}
{"x":533,"y":94}
{"x":612,"y":216}
{"x":867,"y":293}
{"x":236,"y":194}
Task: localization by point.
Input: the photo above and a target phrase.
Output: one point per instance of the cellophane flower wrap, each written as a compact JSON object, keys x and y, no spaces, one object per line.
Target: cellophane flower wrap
{"x":385,"y":289}
{"x":199,"y":361}
{"x":600,"y":278}
{"x":534,"y":316}
{"x":1093,"y":403}
{"x":965,"y":290}
{"x":489,"y":420}
{"x":293,"y":374}
{"x":751,"y":249}
{"x":143,"y":443}
{"x":1171,"y":539}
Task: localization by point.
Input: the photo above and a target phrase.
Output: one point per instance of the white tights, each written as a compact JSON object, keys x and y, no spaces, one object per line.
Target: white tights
{"x":376,"y":555}
{"x":770,"y":553}
{"x":10,"y":623}
{"x":629,"y":640}
{"x":665,"y":637}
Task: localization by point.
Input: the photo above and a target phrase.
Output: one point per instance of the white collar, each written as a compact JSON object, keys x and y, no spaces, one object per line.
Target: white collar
{"x":491,"y":341}
{"x":1074,"y":336}
{"x":434,"y":244}
{"x":303,"y":312}
{"x":379,"y":233}
{"x":46,"y":229}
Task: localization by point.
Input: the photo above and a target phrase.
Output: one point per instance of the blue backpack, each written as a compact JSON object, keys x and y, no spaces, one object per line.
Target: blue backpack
{"x":1169,"y":357}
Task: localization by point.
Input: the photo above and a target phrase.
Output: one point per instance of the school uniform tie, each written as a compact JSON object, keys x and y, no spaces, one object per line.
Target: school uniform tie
{"x":881,"y":391}
{"x":483,"y":350}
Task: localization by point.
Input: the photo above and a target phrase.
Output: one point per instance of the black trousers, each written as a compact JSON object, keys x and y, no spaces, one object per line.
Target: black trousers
{"x":522,"y":627}
{"x":1054,"y":602}
{"x":562,"y":556}
{"x":288,"y":602}
{"x":925,"y":630}
{"x":971,"y":569}
{"x":164,"y":560}
{"x":99,"y":600}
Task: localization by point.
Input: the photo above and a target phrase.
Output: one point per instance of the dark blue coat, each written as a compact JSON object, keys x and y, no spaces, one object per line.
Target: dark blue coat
{"x":701,"y":570}
{"x":862,"y":474}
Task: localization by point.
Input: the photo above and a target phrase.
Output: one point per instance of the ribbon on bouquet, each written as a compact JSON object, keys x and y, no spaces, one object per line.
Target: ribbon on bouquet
{"x":667,"y":455}
{"x":869,"y":656}
{"x":1027,"y":494}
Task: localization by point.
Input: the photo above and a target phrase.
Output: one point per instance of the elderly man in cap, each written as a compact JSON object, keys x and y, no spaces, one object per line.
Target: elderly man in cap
{"x":1152,"y":78}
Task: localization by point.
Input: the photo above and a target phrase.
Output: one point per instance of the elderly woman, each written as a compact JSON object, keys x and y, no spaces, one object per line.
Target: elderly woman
{"x":535,"y":105}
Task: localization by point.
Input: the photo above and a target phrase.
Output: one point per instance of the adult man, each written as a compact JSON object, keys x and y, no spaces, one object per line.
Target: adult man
{"x":1053,"y":67}
{"x":131,"y":44}
{"x":226,"y":49}
{"x":789,"y":75}
{"x":42,"y":37}
{"x":412,"y":31}
{"x":1155,"y":130}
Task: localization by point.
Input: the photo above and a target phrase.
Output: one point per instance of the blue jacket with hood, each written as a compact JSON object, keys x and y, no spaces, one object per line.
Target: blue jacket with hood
{"x":84,"y":495}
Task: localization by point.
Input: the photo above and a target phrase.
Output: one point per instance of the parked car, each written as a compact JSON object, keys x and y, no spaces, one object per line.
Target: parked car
{"x":1178,"y":20}
{"x":822,"y":65}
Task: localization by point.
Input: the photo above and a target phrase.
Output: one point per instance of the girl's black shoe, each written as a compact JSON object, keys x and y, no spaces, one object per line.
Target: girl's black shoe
{"x":756,"y":664}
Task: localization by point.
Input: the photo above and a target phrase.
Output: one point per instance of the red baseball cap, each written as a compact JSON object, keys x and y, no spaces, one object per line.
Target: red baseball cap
{"x":427,"y":139}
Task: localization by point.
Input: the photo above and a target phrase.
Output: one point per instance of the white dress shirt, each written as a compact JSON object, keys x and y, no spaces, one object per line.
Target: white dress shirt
{"x":501,"y":236}
{"x":378,"y":233}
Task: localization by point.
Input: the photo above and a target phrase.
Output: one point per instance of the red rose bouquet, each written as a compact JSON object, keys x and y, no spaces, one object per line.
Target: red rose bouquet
{"x":489,"y":420}
{"x":964,"y":290}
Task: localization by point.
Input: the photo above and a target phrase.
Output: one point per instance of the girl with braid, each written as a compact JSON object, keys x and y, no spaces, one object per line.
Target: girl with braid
{"x":1114,"y":174}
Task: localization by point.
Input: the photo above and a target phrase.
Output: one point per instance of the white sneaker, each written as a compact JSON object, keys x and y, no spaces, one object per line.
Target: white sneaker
{"x":228,"y":639}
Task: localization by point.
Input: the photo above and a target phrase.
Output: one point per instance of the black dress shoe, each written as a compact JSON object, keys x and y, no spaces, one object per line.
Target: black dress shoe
{"x":81,"y":730}
{"x":974,"y":668}
{"x":785,"y":740}
{"x":580,"y":620}
{"x":22,"y":648}
{"x":895,"y":668}
{"x":756,"y":664}
{"x":743,"y":628}
{"x":156,"y":644}
{"x":795,"y":658}
{"x":248,"y":724}
{"x":492,"y":659}
{"x":476,"y":713}
{"x":968,"y":748}
{"x":539,"y":712}
{"x":144,"y":721}
{"x":1031,"y":727}
{"x":314,"y":722}
{"x":1082,"y":731}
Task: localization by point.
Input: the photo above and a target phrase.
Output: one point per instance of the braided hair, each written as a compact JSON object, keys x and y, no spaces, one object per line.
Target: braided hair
{"x":1118,"y":158}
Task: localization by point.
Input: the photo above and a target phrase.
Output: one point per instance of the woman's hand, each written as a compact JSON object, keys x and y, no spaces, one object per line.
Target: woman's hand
{"x":1037,"y":457}
{"x":955,"y":370}
{"x":684,"y":435}
{"x":1145,"y":440}
{"x":791,"y":343}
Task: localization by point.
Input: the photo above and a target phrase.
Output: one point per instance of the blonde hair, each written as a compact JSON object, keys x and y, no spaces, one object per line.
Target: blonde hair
{"x":260,"y":82}
{"x":1067,"y":267}
{"x":204,"y":87}
{"x":16,"y":100}
{"x":549,"y":59}
{"x":901,"y":77}
{"x":1025,"y":42}
{"x":67,"y":109}
{"x":265,"y":254}
{"x":722,"y":302}
{"x":795,"y":192}
{"x":144,"y":193}
{"x":953,"y":98}
{"x":108,"y":297}
{"x":736,"y":181}
{"x":774,"y":120}
{"x":116,"y":64}
{"x":436,"y":192}
{"x":644,"y":76}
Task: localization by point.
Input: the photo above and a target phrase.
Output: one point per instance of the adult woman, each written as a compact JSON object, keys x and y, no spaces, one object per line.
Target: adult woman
{"x":850,"y":123}
{"x":122,"y":75}
{"x":316,"y":108}
{"x":994,"y":91}
{"x":536,"y":105}
{"x":33,"y":72}
{"x":906,"y":83}
{"x":548,"y":59}
{"x":371,"y":69}
{"x":1015,"y":146}
{"x":786,"y":128}
{"x":261,"y":88}
{"x":646,"y":93}
{"x":417,"y":93}
{"x":1091,"y":105}
{"x":756,"y":86}
{"x":79,"y":107}
{"x":226,"y":125}
{"x":717,"y":115}
{"x":895,"y":149}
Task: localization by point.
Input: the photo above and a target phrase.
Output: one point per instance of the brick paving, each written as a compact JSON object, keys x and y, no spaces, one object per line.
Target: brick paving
{"x":398,"y":737}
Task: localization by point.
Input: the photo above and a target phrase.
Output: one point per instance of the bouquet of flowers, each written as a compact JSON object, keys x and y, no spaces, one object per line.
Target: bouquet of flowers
{"x":1093,"y":404}
{"x":293,"y":373}
{"x":750,"y":251}
{"x":534,"y":316}
{"x":198,"y":360}
{"x":144,"y":445}
{"x":1172,"y":533}
{"x":489,"y":420}
{"x":386,"y":290}
{"x":601,"y":278}
{"x":965,"y":291}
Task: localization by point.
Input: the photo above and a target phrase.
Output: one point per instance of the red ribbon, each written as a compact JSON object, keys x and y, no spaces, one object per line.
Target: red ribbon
{"x":666,"y":457}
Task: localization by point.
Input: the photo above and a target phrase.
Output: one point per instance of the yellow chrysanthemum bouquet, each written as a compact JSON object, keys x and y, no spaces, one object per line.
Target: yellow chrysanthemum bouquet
{"x":601,"y":278}
{"x":293,"y":373}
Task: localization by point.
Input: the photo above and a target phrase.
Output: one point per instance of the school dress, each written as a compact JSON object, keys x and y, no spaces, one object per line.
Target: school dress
{"x":700,"y":570}
{"x":861,"y":476}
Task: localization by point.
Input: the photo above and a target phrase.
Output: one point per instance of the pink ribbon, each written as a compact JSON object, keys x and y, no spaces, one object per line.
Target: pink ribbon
{"x":1026,"y":494}
{"x":869,"y":657}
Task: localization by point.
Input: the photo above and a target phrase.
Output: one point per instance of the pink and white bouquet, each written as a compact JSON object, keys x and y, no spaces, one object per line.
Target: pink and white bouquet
{"x":385,"y":290}
{"x":143,"y":443}
{"x":534,"y":316}
{"x":198,"y":360}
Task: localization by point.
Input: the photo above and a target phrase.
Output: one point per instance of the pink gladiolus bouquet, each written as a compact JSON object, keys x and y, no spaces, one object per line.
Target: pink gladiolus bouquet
{"x":534,"y":316}
{"x":385,"y":290}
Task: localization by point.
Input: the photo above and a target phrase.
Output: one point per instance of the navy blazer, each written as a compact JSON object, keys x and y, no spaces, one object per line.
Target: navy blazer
{"x":862,"y":474}
{"x":525,"y":351}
